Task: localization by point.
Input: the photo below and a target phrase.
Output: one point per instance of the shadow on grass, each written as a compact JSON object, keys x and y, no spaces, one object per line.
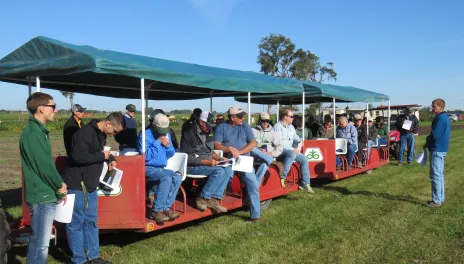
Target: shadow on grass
{"x":401,"y":198}
{"x":10,"y":198}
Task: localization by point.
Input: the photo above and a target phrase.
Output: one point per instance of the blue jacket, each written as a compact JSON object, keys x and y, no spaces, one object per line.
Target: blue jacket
{"x":438,"y":140}
{"x":156,"y":154}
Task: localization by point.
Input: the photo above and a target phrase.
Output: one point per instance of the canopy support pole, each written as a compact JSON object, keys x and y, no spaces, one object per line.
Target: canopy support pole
{"x":37,"y":83}
{"x":320,"y":114}
{"x":211,"y":102}
{"x":146,"y":101}
{"x":303,"y":115}
{"x":389,"y":114}
{"x":142,"y":89}
{"x":249,"y":108}
{"x":334,"y":120}
{"x":278,"y":111}
{"x":368,"y":115}
{"x":30,"y":90}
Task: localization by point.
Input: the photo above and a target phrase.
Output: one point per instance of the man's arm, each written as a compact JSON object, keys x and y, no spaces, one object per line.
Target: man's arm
{"x":251,"y":145}
{"x":80,"y":151}
{"x":354,"y":135}
{"x":278,"y":149}
{"x":46,"y":169}
{"x":438,"y":129}
{"x":415,"y":125}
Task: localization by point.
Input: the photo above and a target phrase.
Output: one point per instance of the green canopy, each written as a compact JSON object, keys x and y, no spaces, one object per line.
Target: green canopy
{"x":319,"y":92}
{"x":89,"y":70}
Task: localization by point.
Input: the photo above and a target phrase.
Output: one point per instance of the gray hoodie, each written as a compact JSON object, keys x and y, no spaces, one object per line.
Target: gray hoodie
{"x":269,"y":138}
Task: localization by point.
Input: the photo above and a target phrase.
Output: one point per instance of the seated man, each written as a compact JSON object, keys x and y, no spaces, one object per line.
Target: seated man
{"x":308,"y":132}
{"x":235,"y":138}
{"x":268,"y":145}
{"x":159,"y":149}
{"x":203,"y":161}
{"x":382,"y":130}
{"x":348,"y":132}
{"x":361,"y":127}
{"x":290,"y":142}
{"x":313,"y":127}
{"x":175,"y":144}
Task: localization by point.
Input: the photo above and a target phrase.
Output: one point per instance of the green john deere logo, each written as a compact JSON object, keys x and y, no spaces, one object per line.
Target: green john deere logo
{"x":314,"y":154}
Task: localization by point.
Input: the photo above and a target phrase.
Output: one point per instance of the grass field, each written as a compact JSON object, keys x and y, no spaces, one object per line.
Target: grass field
{"x":376,"y":218}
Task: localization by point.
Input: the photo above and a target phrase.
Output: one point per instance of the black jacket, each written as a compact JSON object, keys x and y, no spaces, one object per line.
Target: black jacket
{"x":414,"y":126}
{"x":195,"y":143}
{"x":70,"y":127}
{"x":86,"y":160}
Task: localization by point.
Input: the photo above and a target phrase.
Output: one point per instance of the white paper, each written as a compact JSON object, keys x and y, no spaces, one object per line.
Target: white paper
{"x":407,"y":124}
{"x":243,"y":164}
{"x":110,"y":179}
{"x":63,"y":211}
{"x":422,"y":158}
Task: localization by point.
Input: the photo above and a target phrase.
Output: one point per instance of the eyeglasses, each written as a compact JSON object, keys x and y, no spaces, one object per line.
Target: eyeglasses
{"x":290,"y":116}
{"x":240,"y":116}
{"x":52,"y":106}
{"x":265,"y":121}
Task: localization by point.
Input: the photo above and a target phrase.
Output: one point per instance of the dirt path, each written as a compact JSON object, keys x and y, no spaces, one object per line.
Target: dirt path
{"x":425,"y":130}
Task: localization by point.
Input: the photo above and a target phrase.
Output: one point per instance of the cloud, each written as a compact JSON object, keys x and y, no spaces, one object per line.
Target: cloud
{"x":216,"y":11}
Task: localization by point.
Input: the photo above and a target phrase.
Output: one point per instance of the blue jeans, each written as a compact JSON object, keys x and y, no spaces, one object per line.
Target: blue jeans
{"x":82,"y":232}
{"x":437,"y":166}
{"x":252,"y":184}
{"x":406,"y":139}
{"x":264,"y":161}
{"x":351,"y":149}
{"x":218,"y":177}
{"x":42,"y":221}
{"x":166,"y":184}
{"x":382,"y":141}
{"x":288,"y":157}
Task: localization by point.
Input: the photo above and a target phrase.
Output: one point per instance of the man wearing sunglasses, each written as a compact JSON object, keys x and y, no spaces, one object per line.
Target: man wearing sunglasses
{"x":85,"y":165}
{"x":72,"y":125}
{"x":291,"y":144}
{"x":43,"y":186}
{"x":235,"y":138}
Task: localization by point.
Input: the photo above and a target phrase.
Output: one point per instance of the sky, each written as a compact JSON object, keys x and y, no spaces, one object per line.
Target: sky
{"x":410,"y":50}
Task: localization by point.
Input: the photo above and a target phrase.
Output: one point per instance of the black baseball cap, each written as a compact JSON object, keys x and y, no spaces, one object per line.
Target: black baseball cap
{"x":130,"y":108}
{"x":77,"y":108}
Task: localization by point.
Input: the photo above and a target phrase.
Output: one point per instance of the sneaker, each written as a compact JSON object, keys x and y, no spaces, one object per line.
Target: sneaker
{"x":432,"y":204}
{"x":159,"y":217}
{"x":339,"y":167}
{"x":409,"y":163}
{"x":279,"y":165}
{"x":215,"y":205}
{"x":400,"y":164}
{"x":171,"y":214}
{"x":99,"y":261}
{"x":282,"y":183}
{"x":306,"y":187}
{"x":151,"y":198}
{"x":259,"y":221}
{"x":202,"y":204}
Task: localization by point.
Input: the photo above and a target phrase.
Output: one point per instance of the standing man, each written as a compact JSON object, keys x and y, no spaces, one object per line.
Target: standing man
{"x":291,"y":144}
{"x":235,"y":138}
{"x":437,"y":143}
{"x":72,"y":125}
{"x":127,"y":139}
{"x":408,"y":120}
{"x":82,"y":176}
{"x":43,"y":186}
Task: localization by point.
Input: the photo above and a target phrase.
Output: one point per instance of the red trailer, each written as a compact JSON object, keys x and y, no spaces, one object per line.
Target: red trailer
{"x":88,"y":70}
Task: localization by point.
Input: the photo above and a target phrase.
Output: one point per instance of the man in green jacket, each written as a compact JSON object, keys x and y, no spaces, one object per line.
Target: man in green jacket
{"x":43,"y":186}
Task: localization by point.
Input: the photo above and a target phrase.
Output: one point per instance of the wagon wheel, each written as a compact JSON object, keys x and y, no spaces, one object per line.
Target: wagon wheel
{"x":265,"y":204}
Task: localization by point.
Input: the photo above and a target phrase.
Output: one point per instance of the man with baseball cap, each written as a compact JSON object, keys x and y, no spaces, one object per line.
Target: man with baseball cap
{"x":175,"y":143}
{"x":408,"y":126}
{"x":127,"y":139}
{"x":235,"y":138}
{"x":72,"y":125}
{"x":196,"y":134}
{"x":291,"y":145}
{"x":268,"y":145}
{"x":158,"y":150}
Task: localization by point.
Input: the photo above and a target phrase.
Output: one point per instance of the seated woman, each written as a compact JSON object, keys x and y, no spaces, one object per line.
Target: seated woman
{"x":159,"y":149}
{"x":327,"y":129}
{"x":196,"y":133}
{"x":382,"y":131}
